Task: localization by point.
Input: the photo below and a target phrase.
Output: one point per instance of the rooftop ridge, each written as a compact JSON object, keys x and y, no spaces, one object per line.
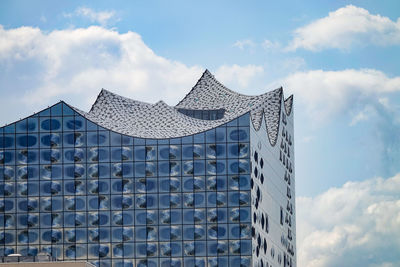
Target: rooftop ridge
{"x":208,"y":76}
{"x":160,"y":120}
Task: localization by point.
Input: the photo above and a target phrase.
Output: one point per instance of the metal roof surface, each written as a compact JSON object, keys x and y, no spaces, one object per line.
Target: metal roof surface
{"x":159,"y":120}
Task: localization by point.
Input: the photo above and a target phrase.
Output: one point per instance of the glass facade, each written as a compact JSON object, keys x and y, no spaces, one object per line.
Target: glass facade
{"x":203,"y":114}
{"x":81,"y":192}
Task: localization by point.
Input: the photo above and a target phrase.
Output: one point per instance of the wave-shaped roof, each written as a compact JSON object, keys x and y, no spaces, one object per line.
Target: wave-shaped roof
{"x":159,"y":120}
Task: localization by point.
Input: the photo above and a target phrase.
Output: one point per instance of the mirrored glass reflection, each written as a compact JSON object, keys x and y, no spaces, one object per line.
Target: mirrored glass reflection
{"x":174,"y":168}
{"x":189,"y":248}
{"x":27,"y":156}
{"x":22,"y":173}
{"x":235,"y":215}
{"x":216,"y":231}
{"x":165,"y":249}
{"x":70,"y":235}
{"x":199,"y":215}
{"x":118,"y":250}
{"x":151,"y":249}
{"x":235,"y":247}
{"x":93,"y":154}
{"x":9,"y":172}
{"x":7,"y":189}
{"x":151,"y":233}
{"x":32,"y":204}
{"x":165,"y":216}
{"x":151,"y":169}
{"x":188,"y":167}
{"x":151,"y":153}
{"x":70,"y":252}
{"x":117,"y":170}
{"x":174,"y":152}
{"x":9,"y":221}
{"x":32,"y":220}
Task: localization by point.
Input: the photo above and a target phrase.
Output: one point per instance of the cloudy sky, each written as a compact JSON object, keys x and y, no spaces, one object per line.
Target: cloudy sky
{"x":339,"y":58}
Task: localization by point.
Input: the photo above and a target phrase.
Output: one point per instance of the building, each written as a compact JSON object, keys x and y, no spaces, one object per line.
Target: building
{"x":44,"y":260}
{"x":16,"y":260}
{"x":209,"y":182}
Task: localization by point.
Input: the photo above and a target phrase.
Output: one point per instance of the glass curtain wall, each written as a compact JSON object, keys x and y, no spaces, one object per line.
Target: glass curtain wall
{"x":77,"y":191}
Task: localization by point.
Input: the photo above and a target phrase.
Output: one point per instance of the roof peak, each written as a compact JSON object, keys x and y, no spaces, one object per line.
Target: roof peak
{"x":207,"y":72}
{"x":161,"y":103}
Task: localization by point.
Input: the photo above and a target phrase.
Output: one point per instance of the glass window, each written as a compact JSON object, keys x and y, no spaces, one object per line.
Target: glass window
{"x":220,"y":134}
{"x":210,"y":136}
{"x":90,"y":126}
{"x":233,"y":123}
{"x":26,"y":140}
{"x":67,"y":110}
{"x":140,"y":153}
{"x":32,"y":124}
{"x":115,"y":139}
{"x":103,"y":138}
{"x":199,"y":138}
{"x":21,"y":126}
{"x":244,"y":120}
{"x":9,"y":128}
{"x":7,"y":141}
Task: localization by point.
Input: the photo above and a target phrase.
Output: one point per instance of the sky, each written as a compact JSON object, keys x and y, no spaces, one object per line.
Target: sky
{"x":340,"y":59}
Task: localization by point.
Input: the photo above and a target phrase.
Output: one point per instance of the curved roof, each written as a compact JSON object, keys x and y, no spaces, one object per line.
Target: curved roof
{"x":159,"y":120}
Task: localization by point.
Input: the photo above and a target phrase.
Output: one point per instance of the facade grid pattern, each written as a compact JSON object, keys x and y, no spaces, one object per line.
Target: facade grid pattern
{"x":78,"y":191}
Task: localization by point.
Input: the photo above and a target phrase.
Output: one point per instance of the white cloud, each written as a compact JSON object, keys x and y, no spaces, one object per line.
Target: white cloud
{"x":346,"y":27}
{"x":326,"y":93}
{"x":236,"y":76}
{"x":75,"y":64}
{"x":269,"y":45}
{"x":353,"y":225}
{"x":251,"y":45}
{"x":243,"y":44}
{"x":101,"y":17}
{"x":384,"y":101}
{"x":331,"y":98}
{"x":363,"y":115}
{"x":289,"y":65}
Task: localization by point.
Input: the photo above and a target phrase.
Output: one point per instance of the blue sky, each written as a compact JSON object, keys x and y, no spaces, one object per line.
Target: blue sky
{"x":339,"y":58}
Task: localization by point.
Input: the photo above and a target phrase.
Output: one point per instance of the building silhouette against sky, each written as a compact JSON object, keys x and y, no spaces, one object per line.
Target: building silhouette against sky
{"x":209,"y":182}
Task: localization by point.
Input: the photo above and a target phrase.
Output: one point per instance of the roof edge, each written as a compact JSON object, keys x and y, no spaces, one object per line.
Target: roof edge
{"x":288,"y":103}
{"x":97,"y":98}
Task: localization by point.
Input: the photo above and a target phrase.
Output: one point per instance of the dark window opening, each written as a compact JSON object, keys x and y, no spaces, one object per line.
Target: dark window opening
{"x":204,"y":114}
